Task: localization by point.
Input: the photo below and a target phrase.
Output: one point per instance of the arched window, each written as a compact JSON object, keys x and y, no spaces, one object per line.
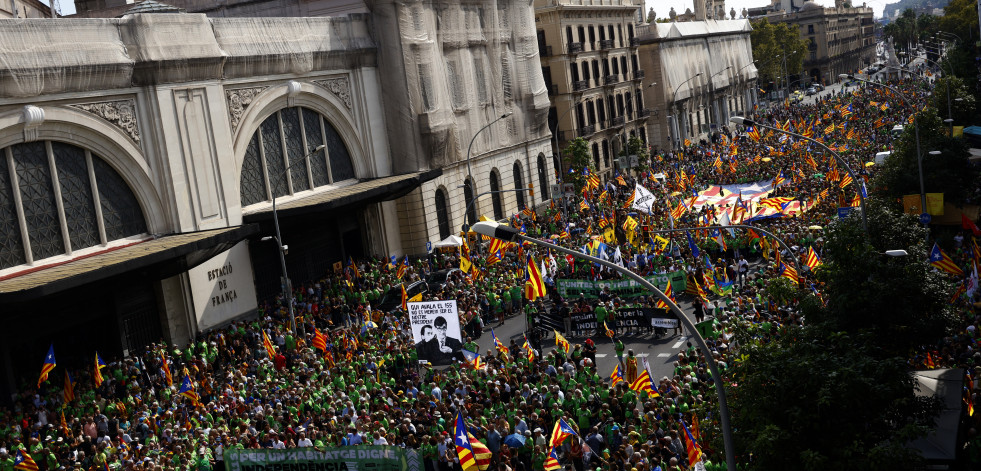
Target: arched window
{"x":495,"y":186}
{"x":468,"y":196}
{"x":519,"y":182}
{"x":91,"y":212}
{"x":542,"y":177}
{"x":285,"y":138}
{"x":442,"y":215}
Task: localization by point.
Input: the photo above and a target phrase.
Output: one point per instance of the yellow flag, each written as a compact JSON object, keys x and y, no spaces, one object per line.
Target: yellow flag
{"x":415,"y":299}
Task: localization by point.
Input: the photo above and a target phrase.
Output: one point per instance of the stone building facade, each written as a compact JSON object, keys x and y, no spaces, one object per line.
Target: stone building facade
{"x":842,"y":38}
{"x":590,"y":62}
{"x":704,"y":74}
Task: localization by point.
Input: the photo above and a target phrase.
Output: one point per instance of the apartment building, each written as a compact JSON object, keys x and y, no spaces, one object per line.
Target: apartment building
{"x":590,"y":64}
{"x":842,"y":38}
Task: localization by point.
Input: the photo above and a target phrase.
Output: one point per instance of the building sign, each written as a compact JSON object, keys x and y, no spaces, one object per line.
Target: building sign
{"x":223,"y":287}
{"x":623,"y":288}
{"x":376,"y":458}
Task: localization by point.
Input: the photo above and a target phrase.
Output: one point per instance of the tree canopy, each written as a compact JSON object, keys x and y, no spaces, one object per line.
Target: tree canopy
{"x":770,"y":41}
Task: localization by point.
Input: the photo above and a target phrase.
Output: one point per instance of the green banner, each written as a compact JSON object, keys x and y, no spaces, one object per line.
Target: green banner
{"x":623,"y":288}
{"x":375,"y":458}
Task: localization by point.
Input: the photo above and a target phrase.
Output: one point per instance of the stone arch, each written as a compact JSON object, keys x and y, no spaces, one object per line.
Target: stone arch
{"x":306,"y":95}
{"x":87,"y":131}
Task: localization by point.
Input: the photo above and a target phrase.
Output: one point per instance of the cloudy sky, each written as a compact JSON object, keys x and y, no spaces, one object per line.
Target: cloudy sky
{"x":662,"y":7}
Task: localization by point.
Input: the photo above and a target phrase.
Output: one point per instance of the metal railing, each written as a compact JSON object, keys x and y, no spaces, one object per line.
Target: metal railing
{"x":611,"y":79}
{"x":587,"y":130}
{"x":580,"y":85}
{"x":634,"y":42}
{"x":618,"y":121}
{"x":638,"y":74}
{"x":643,"y":113}
{"x":575,"y":48}
{"x":606,"y":44}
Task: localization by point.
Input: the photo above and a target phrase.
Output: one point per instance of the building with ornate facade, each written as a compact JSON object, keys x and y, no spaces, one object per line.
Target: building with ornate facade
{"x":704,"y":73}
{"x":146,"y":155}
{"x":590,"y":63}
{"x":842,"y":38}
{"x":23,"y":9}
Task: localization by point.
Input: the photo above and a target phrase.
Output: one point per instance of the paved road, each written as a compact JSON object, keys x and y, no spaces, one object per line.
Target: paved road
{"x":660,"y":353}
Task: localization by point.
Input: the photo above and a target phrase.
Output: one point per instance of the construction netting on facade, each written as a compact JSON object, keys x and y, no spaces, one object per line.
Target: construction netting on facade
{"x":719,"y":50}
{"x":466,"y":66}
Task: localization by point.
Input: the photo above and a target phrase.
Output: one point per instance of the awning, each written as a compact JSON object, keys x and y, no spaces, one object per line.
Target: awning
{"x":163,"y":256}
{"x":361,"y":193}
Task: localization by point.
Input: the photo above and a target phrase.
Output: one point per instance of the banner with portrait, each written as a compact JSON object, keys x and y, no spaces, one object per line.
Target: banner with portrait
{"x":436,"y":331}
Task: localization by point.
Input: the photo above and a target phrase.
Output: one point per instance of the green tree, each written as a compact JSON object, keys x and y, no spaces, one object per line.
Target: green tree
{"x":962,"y":102}
{"x":949,"y":173}
{"x":837,"y":393}
{"x":637,"y":147}
{"x":770,"y":40}
{"x":577,"y":154}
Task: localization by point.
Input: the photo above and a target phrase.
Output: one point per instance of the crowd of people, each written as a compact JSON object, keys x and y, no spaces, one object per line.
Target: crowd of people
{"x":368,"y":387}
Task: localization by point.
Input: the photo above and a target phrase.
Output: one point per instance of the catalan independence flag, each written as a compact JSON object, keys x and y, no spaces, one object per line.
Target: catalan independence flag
{"x":938,"y":258}
{"x":473,"y":456}
{"x":99,"y":365}
{"x":24,"y":461}
{"x":69,"y":387}
{"x":46,"y":367}
{"x":667,"y":292}
{"x":694,"y":451}
{"x":267,"y":344}
{"x":187,"y":390}
{"x":643,"y":383}
{"x":560,"y":432}
{"x":616,"y":376}
{"x":552,"y":462}
{"x":789,"y":272}
{"x":497,"y":343}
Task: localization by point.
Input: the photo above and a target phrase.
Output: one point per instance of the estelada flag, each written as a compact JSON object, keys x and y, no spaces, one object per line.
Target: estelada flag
{"x":46,"y":367}
{"x":535,"y":280}
{"x":268,"y":346}
{"x":187,"y":390}
{"x":616,"y":376}
{"x":552,"y":462}
{"x":942,"y":261}
{"x":667,"y":292}
{"x":812,"y":261}
{"x":99,"y":365}
{"x":643,"y":383}
{"x":560,"y":432}
{"x":24,"y":461}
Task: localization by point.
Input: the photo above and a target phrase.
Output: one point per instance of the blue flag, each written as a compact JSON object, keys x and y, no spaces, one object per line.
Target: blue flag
{"x":691,"y":245}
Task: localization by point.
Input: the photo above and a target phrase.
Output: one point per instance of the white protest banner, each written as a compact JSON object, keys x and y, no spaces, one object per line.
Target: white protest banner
{"x":643,"y":199}
{"x":436,"y":331}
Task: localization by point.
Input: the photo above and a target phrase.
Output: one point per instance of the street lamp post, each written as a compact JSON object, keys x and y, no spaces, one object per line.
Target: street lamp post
{"x":279,"y":239}
{"x":786,"y":76}
{"x":677,"y":114}
{"x":860,"y":184}
{"x":712,"y":92}
{"x":916,"y":130}
{"x":511,"y":234}
{"x":469,"y":147}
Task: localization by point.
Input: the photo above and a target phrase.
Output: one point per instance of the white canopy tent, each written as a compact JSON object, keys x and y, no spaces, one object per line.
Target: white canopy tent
{"x":451,"y":241}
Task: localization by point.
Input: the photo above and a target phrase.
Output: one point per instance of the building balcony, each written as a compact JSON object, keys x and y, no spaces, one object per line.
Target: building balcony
{"x":611,"y":79}
{"x":606,"y":44}
{"x":634,"y":42}
{"x":580,"y":85}
{"x":644,"y":113}
{"x":586,"y":131}
{"x":639,"y":74}
{"x":545,"y":51}
{"x":575,"y":48}
{"x":618,"y":121}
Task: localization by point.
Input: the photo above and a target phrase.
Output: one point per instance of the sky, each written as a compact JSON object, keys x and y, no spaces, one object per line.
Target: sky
{"x":662,"y":7}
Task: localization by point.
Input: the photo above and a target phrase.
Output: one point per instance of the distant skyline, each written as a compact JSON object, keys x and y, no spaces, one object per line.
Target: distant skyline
{"x":662,"y":7}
